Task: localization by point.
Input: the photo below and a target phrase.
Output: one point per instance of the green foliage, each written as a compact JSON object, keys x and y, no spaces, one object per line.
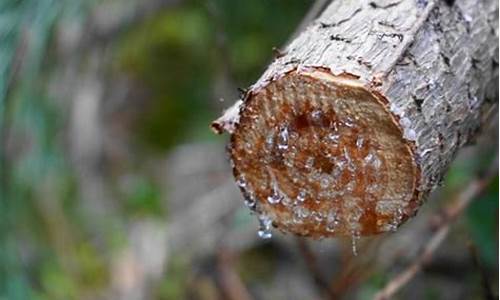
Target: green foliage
{"x":82,"y":273}
{"x":143,"y":198}
{"x":374,"y":284}
{"x":483,"y":225}
{"x":171,"y":56}
{"x":175,"y":282}
{"x":55,"y":283}
{"x":482,"y":219}
{"x":174,"y":56}
{"x":25,"y":112}
{"x":253,"y":28}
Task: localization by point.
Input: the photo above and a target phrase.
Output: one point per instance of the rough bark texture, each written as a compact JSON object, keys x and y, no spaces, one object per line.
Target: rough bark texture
{"x":404,"y":84}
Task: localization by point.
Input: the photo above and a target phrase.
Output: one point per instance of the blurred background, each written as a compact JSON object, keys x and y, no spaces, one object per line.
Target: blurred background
{"x":112,"y":186}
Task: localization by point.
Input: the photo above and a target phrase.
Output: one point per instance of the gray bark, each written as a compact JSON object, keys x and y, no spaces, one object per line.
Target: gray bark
{"x":437,"y":65}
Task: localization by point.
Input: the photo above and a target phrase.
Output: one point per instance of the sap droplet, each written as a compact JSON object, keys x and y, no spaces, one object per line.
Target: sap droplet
{"x":350,"y":164}
{"x":283,"y":139}
{"x":359,"y":142}
{"x":265,"y":234}
{"x":394,"y":224}
{"x":340,"y":162}
{"x":314,"y":176}
{"x":288,"y":161}
{"x":376,"y":162}
{"x":249,"y":196}
{"x":399,"y":214}
{"x":316,"y":116}
{"x":410,"y":134}
{"x":337,"y":170}
{"x":324,"y":181}
{"x":333,"y":137}
{"x":405,"y":122}
{"x":397,"y":110}
{"x":286,"y":201}
{"x":241,"y":182}
{"x":386,"y":206}
{"x":300,"y":213}
{"x":332,"y":221}
{"x":391,"y":227}
{"x":248,"y":148}
{"x":350,"y":186}
{"x":309,"y":163}
{"x":301,"y":196}
{"x":355,"y":236}
{"x":275,"y":197}
{"x":304,"y":212}
{"x":317,"y":216}
{"x":372,"y":160}
{"x":349,"y":122}
{"x":330,"y":227}
{"x":264,"y":227}
{"x":250,"y":203}
{"x":334,"y":126}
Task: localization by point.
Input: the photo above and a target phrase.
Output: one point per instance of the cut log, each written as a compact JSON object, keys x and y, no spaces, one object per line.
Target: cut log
{"x":349,"y":130}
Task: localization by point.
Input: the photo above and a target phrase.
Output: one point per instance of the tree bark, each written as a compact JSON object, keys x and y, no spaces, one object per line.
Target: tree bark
{"x":357,"y":120}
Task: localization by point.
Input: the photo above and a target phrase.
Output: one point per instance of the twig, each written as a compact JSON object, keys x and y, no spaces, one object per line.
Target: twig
{"x":354,"y":269}
{"x":456,"y":209}
{"x":312,"y":264}
{"x":231,"y":284}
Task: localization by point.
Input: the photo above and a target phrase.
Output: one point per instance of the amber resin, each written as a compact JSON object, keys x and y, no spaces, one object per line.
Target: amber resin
{"x":320,"y":155}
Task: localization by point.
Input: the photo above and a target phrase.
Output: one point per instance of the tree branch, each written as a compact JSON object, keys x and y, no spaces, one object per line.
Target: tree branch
{"x":290,"y":145}
{"x":487,"y":288}
{"x":230,"y":282}
{"x":475,"y":188}
{"x":312,"y":265}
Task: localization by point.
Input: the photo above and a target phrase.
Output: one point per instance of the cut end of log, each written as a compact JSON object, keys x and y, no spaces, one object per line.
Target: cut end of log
{"x":321,"y":156}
